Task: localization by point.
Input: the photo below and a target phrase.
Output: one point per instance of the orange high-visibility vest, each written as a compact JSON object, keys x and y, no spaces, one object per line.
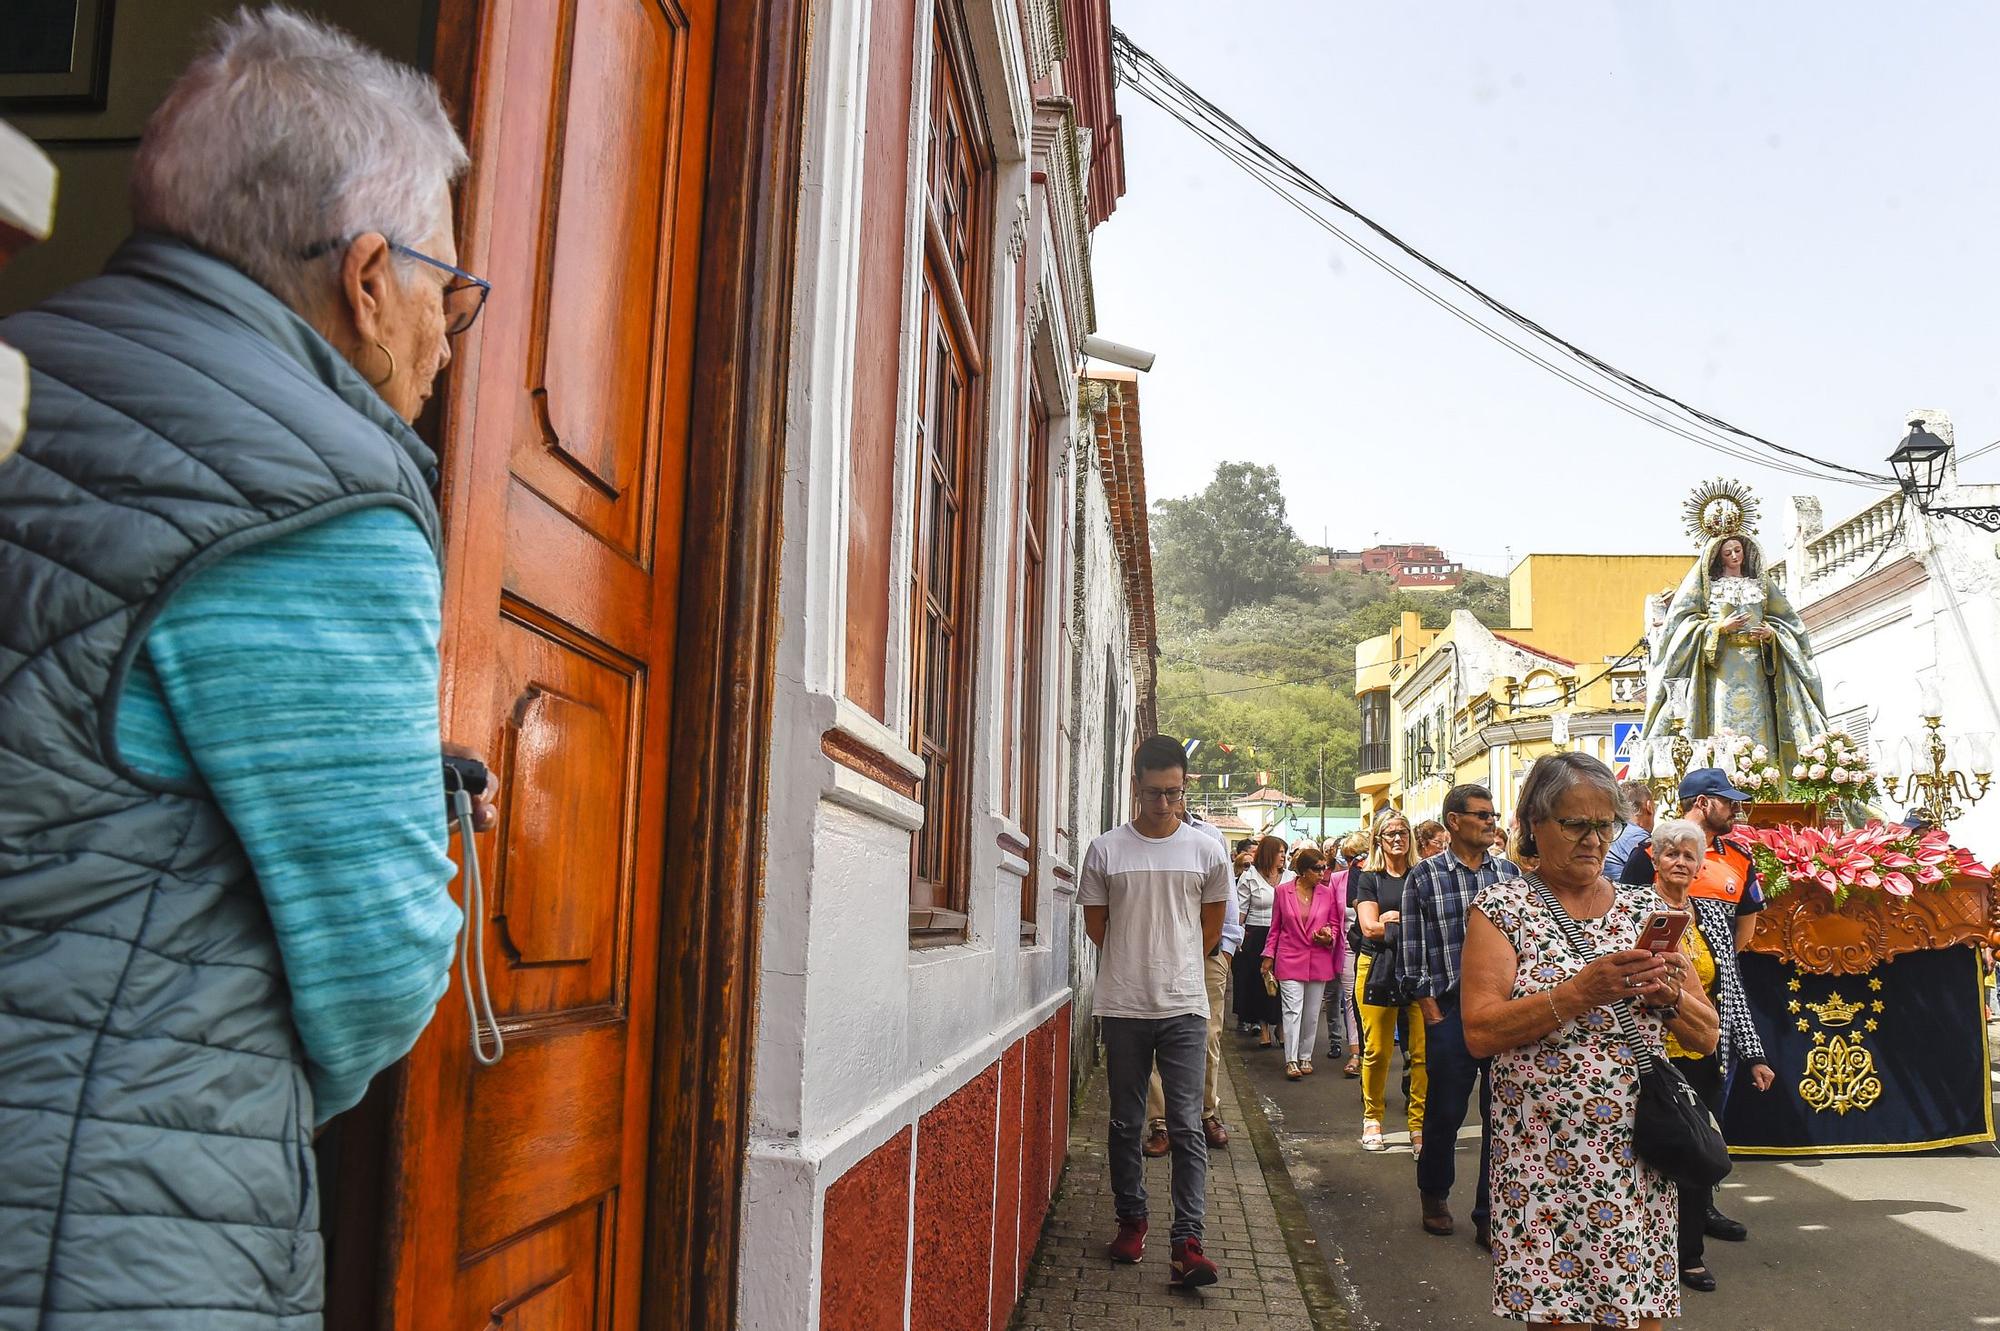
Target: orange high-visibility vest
{"x":1725,"y":873}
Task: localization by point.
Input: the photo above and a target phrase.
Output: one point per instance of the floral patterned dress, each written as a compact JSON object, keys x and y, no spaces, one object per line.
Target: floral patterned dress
{"x":1582,"y":1232}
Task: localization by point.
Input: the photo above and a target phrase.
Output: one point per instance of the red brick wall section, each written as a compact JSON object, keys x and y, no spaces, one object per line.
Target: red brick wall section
{"x":1059,"y":1139}
{"x":954,"y":1209}
{"x":1007,"y":1192}
{"x":1012,"y":1148}
{"x":1038,"y":1123}
{"x":863,"y":1265}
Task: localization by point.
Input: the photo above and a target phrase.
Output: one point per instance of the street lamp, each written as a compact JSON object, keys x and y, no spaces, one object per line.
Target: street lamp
{"x":1919,"y":463}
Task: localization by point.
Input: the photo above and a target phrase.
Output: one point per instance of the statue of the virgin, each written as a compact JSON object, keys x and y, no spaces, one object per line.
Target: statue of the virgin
{"x":1734,"y":636}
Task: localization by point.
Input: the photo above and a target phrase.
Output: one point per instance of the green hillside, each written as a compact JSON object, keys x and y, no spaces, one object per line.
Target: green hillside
{"x":1256,"y":656}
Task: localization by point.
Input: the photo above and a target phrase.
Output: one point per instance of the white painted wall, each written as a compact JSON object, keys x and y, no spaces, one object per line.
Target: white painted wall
{"x":1883,"y":628}
{"x":858,"y":1034}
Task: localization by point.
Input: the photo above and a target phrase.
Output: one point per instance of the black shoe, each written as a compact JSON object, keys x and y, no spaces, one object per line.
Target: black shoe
{"x":1482,"y":1234}
{"x":1698,"y":1278}
{"x":1719,"y":1226}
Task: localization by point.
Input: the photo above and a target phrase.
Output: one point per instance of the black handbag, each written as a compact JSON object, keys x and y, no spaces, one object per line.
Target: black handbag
{"x":1674,"y":1132}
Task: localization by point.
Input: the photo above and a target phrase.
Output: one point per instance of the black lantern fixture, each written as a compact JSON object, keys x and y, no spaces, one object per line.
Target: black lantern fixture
{"x":1424,"y":755}
{"x":1919,"y":462}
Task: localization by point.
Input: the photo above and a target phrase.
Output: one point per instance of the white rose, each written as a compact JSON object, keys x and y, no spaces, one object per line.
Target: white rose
{"x":1840,"y":775}
{"x":1817,"y":772}
{"x":1760,"y":753}
{"x":1753,"y":780}
{"x":1799,"y":772}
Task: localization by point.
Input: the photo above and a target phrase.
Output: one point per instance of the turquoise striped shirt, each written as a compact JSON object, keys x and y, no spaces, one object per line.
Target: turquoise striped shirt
{"x":298,"y":680}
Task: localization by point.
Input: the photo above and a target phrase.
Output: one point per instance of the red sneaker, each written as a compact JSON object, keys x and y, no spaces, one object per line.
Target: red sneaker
{"x":1130,"y":1245}
{"x":1190,"y":1270}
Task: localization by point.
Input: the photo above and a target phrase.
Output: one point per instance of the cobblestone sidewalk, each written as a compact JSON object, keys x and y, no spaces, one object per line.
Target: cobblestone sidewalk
{"x":1257,"y":1234}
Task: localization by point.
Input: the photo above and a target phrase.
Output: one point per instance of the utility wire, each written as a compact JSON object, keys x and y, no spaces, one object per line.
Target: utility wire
{"x":1683,"y":430}
{"x":1159,"y":85}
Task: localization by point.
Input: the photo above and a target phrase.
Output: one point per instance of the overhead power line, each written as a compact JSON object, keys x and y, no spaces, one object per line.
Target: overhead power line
{"x":1147,"y":76}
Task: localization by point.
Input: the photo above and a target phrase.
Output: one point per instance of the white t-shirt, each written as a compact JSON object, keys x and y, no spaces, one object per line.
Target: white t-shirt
{"x":1151,"y":965}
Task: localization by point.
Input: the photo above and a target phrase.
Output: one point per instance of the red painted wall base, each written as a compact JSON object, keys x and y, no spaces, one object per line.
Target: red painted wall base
{"x":987,"y":1160}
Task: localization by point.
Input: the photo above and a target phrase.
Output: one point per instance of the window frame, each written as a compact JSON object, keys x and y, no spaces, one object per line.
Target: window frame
{"x":1034,"y":640}
{"x":957,"y":204}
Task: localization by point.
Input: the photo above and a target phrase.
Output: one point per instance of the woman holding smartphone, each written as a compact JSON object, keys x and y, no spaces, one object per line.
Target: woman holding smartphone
{"x":1583,"y":1234}
{"x":1709,"y":942}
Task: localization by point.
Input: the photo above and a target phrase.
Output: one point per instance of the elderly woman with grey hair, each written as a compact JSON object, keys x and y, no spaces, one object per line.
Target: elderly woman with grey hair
{"x":1678,"y":847}
{"x":1583,"y":1231}
{"x":223,"y":857}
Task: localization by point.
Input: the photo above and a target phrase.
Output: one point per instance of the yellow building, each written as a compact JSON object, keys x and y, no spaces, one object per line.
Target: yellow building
{"x":1468,"y":703}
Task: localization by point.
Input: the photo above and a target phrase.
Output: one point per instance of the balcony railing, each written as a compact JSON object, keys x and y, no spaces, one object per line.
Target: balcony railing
{"x":1374,"y":758}
{"x":1844,"y":553}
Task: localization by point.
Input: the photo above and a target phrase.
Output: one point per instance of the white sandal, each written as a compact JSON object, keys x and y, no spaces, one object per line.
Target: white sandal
{"x":1371,"y":1135}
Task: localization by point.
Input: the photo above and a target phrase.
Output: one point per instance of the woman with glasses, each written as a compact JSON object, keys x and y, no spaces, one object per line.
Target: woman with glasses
{"x":1256,"y":890}
{"x":219,"y":718}
{"x":1303,"y":952}
{"x":1679,"y":847}
{"x":1377,"y":897}
{"x":1431,"y":838}
{"x":1583,"y":1232}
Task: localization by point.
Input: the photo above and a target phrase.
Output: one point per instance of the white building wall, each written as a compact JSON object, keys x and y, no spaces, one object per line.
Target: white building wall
{"x":1877,"y":592}
{"x":859,"y":1034}
{"x":1103,"y":703}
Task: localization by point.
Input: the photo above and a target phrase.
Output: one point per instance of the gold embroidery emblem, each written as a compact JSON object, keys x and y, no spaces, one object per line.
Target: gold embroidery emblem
{"x":1840,"y":1076}
{"x":1836,"y":1011}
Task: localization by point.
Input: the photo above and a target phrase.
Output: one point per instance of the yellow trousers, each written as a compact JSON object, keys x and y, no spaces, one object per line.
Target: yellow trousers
{"x":1378,"y":1025}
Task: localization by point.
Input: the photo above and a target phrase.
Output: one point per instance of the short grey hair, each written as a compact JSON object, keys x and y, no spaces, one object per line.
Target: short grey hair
{"x":1550,"y":779}
{"x":1639,"y":794}
{"x":285,"y":133}
{"x":1669,"y":832}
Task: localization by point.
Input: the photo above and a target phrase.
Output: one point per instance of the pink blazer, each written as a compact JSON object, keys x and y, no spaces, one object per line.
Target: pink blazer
{"x":1294,"y":956}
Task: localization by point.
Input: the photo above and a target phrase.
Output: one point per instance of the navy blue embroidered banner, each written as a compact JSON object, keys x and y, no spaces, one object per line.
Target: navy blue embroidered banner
{"x":1894,"y":1060}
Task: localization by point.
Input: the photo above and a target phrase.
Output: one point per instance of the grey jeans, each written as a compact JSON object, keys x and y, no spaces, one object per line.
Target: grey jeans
{"x":1180,"y":1045}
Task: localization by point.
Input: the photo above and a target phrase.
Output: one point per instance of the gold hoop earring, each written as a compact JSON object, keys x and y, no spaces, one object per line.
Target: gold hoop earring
{"x":377,"y":383}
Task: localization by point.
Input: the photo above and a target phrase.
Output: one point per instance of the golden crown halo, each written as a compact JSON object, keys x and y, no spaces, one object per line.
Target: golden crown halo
{"x":1835,"y":1011}
{"x":1720,"y":508}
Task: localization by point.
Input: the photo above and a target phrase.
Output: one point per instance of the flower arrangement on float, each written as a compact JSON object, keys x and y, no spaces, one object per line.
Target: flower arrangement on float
{"x":1831,"y":769}
{"x":1881,"y":857}
{"x":1748,"y":764}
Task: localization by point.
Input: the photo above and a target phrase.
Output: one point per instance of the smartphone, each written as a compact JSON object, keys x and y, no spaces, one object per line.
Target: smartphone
{"x":1662,"y":931}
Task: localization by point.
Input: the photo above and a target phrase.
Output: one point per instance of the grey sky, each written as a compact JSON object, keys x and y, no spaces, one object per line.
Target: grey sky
{"x":1783,"y":213}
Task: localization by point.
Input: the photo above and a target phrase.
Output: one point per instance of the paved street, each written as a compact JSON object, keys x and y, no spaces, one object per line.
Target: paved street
{"x":1272,"y":1274}
{"x":1910,"y":1241}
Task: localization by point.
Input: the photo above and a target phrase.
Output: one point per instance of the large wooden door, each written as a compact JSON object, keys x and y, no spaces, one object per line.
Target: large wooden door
{"x":519,"y":1194}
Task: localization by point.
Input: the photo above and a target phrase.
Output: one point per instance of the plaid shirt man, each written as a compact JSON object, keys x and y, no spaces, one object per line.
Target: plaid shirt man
{"x":1435,"y":900}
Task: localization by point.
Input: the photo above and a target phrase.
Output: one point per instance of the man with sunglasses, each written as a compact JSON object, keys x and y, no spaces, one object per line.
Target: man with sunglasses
{"x":1436,"y":898}
{"x":1154,"y":894}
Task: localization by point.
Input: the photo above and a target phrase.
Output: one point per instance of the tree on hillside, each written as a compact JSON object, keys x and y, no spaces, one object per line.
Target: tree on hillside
{"x":1229,"y":546}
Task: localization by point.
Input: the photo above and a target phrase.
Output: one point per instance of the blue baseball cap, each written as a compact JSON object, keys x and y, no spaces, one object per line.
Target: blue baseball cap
{"x":1709,"y":781}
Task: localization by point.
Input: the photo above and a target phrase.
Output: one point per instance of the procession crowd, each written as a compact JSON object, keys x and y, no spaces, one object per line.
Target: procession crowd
{"x":1549,"y":972}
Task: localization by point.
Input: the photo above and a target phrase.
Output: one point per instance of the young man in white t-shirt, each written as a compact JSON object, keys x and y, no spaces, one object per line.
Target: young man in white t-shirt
{"x":1153,"y":894}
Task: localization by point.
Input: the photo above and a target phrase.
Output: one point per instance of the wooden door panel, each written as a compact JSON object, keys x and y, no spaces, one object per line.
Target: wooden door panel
{"x":553,"y":563}
{"x":616,"y":87}
{"x":548,"y":1136}
{"x":551,"y":1281}
{"x":561,"y":884}
{"x":520,"y":1199}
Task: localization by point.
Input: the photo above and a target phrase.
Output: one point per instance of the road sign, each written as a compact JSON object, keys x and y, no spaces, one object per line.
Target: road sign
{"x":1624,"y":745}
